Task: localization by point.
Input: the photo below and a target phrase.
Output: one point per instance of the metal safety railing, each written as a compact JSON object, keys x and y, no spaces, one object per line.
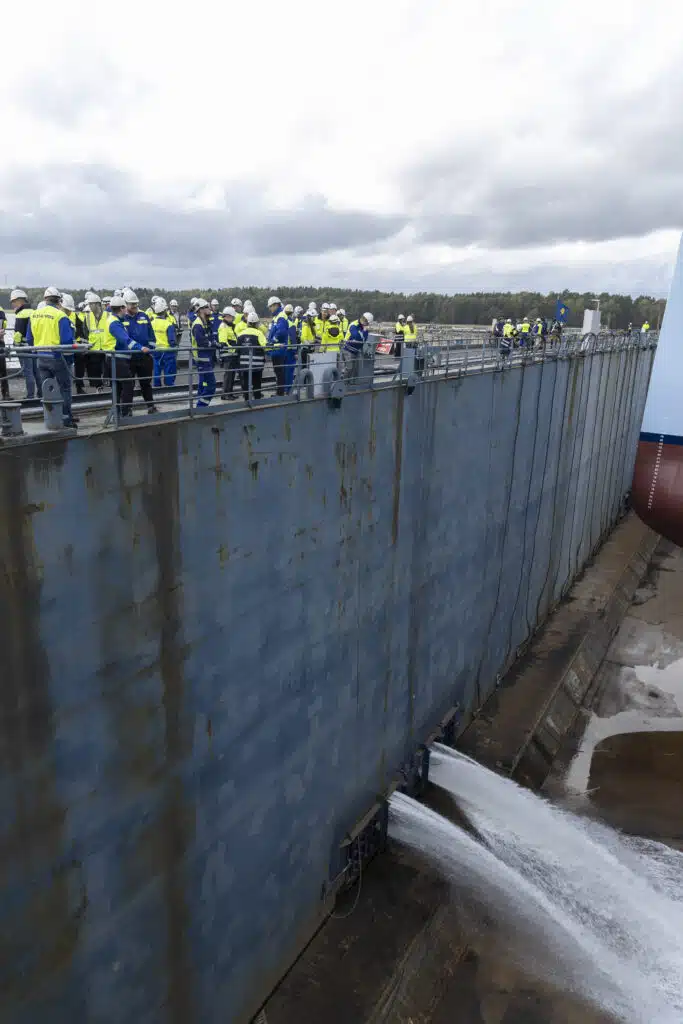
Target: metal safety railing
{"x":192,"y":381}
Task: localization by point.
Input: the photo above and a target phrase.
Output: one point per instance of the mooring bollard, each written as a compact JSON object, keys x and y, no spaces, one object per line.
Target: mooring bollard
{"x":52,"y":405}
{"x":10,"y":419}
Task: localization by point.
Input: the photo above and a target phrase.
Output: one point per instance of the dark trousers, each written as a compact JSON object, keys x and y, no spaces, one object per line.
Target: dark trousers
{"x":256,"y":383}
{"x":280,"y":368}
{"x":80,"y":363}
{"x":230,"y":366}
{"x":4,"y":382}
{"x":55,"y":367}
{"x":96,"y":366}
{"x":124,"y":386}
{"x":142,"y":367}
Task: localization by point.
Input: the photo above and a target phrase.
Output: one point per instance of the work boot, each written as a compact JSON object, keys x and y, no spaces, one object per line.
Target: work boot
{"x":72,"y":424}
{"x":152,"y":409}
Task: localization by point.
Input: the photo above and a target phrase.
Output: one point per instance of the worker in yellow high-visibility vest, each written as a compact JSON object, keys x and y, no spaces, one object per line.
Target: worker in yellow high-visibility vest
{"x":51,"y":332}
{"x":165,"y":343}
{"x":228,"y":350}
{"x":95,"y":319}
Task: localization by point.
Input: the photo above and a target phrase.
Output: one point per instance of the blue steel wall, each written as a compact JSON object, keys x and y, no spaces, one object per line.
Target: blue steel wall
{"x":221,"y":637}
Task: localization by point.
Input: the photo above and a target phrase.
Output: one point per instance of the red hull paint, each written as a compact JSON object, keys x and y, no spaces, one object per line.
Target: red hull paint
{"x":658,"y":488}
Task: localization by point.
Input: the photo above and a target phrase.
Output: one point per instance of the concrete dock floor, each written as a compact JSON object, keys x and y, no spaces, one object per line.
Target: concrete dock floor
{"x":403,"y":951}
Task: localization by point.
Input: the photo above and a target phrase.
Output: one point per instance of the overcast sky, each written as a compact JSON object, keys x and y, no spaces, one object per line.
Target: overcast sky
{"x":408,"y":144}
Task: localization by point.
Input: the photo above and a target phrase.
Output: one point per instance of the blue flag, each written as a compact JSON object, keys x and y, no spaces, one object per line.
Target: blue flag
{"x":561,"y":311}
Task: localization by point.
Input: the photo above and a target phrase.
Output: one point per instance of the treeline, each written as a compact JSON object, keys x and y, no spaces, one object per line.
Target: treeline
{"x":618,"y":311}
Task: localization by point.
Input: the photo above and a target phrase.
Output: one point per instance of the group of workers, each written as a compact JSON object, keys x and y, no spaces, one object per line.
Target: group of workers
{"x":508,"y":334}
{"x":111,"y":339}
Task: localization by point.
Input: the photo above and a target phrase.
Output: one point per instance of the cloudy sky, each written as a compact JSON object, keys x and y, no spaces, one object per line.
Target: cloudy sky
{"x":409,"y":144}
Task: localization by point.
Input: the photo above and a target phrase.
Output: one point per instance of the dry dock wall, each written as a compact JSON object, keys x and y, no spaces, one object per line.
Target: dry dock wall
{"x":223,"y":636}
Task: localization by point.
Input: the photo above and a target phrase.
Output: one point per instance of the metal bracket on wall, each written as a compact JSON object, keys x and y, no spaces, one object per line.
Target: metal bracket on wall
{"x":411,"y":383}
{"x":336,"y":393}
{"x":361,"y":843}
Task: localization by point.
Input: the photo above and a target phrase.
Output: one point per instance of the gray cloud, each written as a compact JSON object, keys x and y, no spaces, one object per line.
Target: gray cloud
{"x":94,"y":214}
{"x":616,"y":172}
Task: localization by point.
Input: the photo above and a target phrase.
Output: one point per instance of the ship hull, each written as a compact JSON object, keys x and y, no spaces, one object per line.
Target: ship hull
{"x":658,"y":484}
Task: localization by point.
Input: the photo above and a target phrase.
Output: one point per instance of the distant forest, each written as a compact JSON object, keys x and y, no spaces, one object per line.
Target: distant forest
{"x":618,"y":311}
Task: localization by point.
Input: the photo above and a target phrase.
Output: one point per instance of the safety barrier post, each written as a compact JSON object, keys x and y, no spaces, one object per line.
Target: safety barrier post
{"x":114,"y":403}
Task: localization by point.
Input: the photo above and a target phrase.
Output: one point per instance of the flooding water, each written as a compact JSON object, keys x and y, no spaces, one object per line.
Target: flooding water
{"x":595,"y":915}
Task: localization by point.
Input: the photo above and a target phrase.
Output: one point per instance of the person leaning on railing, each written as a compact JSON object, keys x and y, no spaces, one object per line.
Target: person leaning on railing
{"x":356,"y":337}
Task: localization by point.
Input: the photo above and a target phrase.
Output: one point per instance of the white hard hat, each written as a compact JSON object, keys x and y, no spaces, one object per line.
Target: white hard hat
{"x":252,"y":317}
{"x":159,"y":304}
{"x":332,"y":305}
{"x":312,"y":305}
{"x":368,"y":317}
{"x":273,"y":301}
{"x":17,"y":293}
{"x":289,"y":308}
{"x":334,"y":319}
{"x":525,"y":320}
{"x":325,"y":305}
{"x":130,"y":296}
{"x":298,"y":310}
{"x":538,"y":320}
{"x":117,"y":302}
{"x":342,"y":312}
{"x":237,"y":302}
{"x":52,"y":293}
{"x":68,"y":302}
{"x":173,"y":302}
{"x":410,"y":319}
{"x":229,"y":311}
{"x":92,"y":297}
{"x":193,"y":301}
{"x":401,"y":316}
{"x":201,"y":304}
{"x":248,"y":304}
{"x":508,"y":321}
{"x":215,"y":302}
{"x":106,"y":300}
{"x":118,"y":292}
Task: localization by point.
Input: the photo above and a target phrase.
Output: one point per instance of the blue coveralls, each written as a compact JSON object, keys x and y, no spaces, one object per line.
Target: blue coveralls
{"x":204,"y":354}
{"x":282,"y":341}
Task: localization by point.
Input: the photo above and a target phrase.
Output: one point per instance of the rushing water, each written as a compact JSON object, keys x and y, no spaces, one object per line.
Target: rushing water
{"x":586,"y":909}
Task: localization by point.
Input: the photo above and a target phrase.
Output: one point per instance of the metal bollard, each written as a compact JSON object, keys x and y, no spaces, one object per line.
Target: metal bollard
{"x":10,"y":419}
{"x":52,"y":405}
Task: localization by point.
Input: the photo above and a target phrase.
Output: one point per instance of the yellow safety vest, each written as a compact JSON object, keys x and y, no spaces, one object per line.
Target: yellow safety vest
{"x":525,"y":328}
{"x":410,"y":333}
{"x":45,"y":326}
{"x":229,"y":333}
{"x":108,"y":342}
{"x":308,"y":335}
{"x":509,"y":330}
{"x":22,"y":314}
{"x":160,"y":326}
{"x":399,"y":328}
{"x":344,"y":325}
{"x":332,"y":337}
{"x":96,"y":329}
{"x":319,"y":326}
